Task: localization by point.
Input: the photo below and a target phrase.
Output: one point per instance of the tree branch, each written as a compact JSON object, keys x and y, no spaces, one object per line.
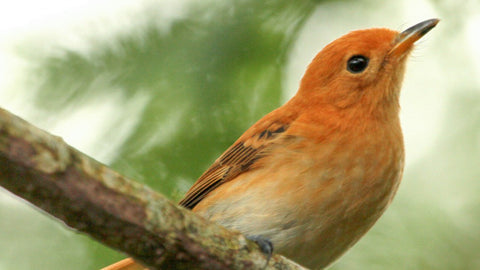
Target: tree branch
{"x":125,"y":215}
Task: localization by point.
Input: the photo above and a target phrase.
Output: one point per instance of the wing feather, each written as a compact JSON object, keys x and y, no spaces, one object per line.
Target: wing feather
{"x":237,"y":159}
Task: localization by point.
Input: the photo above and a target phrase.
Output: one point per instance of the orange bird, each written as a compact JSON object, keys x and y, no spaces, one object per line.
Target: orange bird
{"x":313,"y":176}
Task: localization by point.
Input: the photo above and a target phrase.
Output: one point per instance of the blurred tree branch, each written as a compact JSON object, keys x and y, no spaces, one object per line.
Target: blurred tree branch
{"x":125,"y":215}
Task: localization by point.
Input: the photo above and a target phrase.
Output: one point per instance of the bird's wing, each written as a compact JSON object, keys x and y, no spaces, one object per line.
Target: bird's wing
{"x":237,"y":159}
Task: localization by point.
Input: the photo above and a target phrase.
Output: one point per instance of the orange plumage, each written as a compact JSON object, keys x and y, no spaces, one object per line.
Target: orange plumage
{"x":315,"y":174}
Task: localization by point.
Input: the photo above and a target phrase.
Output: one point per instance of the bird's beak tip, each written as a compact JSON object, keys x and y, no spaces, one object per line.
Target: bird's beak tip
{"x":407,"y":38}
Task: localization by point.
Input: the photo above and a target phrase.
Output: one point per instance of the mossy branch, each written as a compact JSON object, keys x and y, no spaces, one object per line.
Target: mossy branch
{"x":120,"y":213}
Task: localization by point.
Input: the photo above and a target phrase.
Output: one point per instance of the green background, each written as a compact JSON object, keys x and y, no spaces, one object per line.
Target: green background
{"x":158,"y":97}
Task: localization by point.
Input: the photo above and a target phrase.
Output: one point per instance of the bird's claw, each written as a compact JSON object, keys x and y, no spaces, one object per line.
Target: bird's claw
{"x":264,"y":244}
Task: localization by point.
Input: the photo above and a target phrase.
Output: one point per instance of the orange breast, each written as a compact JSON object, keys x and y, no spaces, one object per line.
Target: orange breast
{"x":314,"y":198}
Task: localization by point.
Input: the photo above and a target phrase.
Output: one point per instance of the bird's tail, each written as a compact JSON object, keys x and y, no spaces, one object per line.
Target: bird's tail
{"x":125,"y":264}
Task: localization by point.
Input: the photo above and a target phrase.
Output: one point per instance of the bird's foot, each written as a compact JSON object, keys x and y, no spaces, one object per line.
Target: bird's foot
{"x":264,"y":244}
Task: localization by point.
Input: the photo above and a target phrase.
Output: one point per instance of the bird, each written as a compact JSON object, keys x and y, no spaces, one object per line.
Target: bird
{"x":310,"y":178}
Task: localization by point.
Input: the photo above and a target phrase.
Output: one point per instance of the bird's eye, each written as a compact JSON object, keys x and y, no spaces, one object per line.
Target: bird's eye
{"x":357,"y":63}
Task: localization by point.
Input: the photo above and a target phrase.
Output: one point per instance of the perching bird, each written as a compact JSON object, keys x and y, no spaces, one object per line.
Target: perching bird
{"x":313,"y":176}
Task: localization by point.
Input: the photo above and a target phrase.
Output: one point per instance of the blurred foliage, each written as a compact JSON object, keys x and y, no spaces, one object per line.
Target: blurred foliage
{"x":214,"y":72}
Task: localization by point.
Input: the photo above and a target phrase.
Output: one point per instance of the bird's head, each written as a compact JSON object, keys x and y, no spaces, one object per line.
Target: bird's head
{"x":362,"y":69}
